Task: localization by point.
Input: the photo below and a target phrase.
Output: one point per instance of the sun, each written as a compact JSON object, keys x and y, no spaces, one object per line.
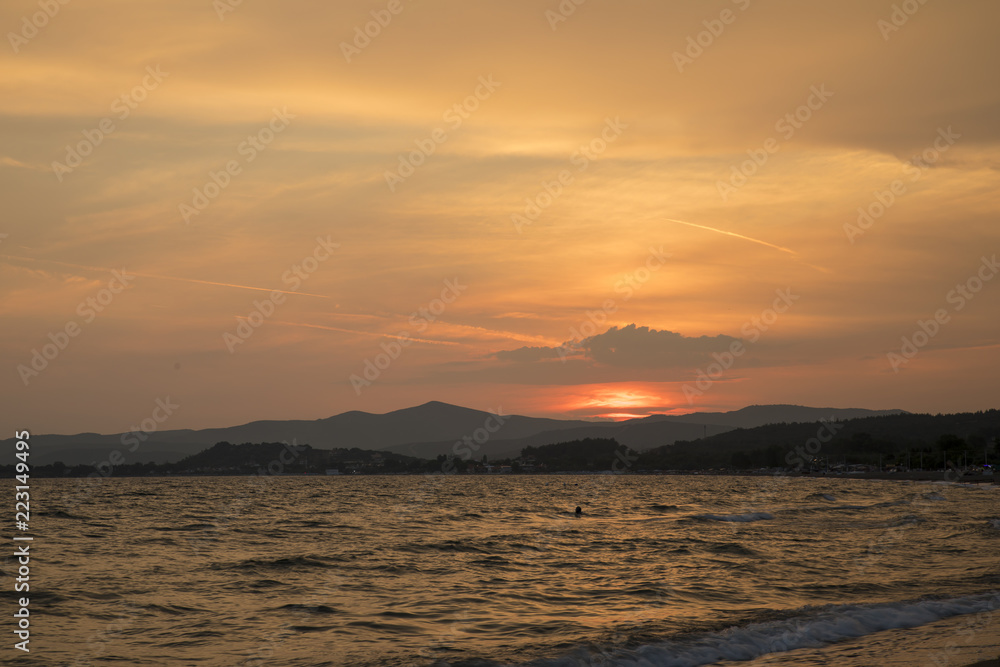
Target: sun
{"x":618,"y":401}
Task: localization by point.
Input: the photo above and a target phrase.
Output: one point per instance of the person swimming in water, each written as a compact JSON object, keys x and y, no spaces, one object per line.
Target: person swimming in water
{"x":579,"y":510}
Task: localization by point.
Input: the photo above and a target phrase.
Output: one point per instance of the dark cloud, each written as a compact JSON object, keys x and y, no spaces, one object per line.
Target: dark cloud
{"x":631,"y":347}
{"x":642,"y":347}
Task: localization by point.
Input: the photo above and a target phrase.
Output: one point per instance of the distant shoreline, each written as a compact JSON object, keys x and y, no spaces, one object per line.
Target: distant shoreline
{"x":912,"y":476}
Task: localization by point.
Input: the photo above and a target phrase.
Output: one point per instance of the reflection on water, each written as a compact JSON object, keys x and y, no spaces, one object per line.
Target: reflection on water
{"x":417,"y":570}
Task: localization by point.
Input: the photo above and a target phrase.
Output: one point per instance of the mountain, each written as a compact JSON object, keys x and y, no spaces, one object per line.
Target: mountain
{"x":892,"y":439}
{"x":638,"y":434}
{"x":424,"y":431}
{"x":761,"y":415}
{"x":648,"y":432}
{"x":433,"y":421}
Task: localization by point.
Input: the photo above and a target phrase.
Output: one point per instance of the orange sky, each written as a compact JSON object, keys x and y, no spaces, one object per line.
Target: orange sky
{"x":588,"y":209}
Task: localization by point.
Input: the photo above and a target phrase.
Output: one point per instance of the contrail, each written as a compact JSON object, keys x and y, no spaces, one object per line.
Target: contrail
{"x":739,"y":236}
{"x":524,"y":338}
{"x":157,"y":277}
{"x":11,"y":162}
{"x":492,"y":332}
{"x":747,"y":238}
{"x":373,"y":334}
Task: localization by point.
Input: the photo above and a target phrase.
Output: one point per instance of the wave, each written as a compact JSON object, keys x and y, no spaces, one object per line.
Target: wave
{"x":446,"y":546}
{"x":894,"y":503}
{"x":165,"y":541}
{"x":825,"y":508}
{"x":909,"y":519}
{"x":311,"y":628}
{"x":290,"y":562}
{"x":731,"y":548}
{"x":822,"y":496}
{"x":309,"y":609}
{"x":60,"y":514}
{"x":811,"y":628}
{"x":188,"y":528}
{"x":263,"y":583}
{"x":170,"y":609}
{"x":739,"y":518}
{"x":663,"y":508}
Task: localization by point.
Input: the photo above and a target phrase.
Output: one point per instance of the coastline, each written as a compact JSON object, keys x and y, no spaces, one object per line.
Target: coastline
{"x":912,"y":476}
{"x":968,"y":640}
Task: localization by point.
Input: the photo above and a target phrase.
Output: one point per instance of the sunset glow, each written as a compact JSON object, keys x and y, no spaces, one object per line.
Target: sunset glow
{"x":371,"y":333}
{"x":573,"y":222}
{"x":616,"y":402}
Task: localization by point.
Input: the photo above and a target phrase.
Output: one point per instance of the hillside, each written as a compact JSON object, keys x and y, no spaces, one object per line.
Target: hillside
{"x":648,"y":432}
{"x":424,"y":431}
{"x":893,"y":439}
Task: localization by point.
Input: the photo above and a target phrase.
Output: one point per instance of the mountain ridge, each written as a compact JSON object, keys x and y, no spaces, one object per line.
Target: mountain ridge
{"x":429,"y":429}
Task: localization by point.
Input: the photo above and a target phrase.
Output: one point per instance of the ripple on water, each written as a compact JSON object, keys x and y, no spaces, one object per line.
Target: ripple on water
{"x":307,"y":609}
{"x":326,"y":565}
{"x":284,"y":563}
{"x":735,"y":518}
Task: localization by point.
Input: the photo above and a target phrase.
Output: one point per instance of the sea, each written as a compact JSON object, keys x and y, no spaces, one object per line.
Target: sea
{"x":489,"y":570}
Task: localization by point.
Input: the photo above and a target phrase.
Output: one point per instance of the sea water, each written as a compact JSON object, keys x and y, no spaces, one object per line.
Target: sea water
{"x":498,"y":570}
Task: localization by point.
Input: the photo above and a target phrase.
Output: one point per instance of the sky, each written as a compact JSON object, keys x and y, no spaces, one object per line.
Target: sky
{"x":577,"y":209}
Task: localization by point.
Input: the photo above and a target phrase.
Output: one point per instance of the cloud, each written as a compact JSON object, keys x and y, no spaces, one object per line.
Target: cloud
{"x":630,"y":346}
{"x":642,"y":347}
{"x":11,"y":162}
{"x":528,"y":354}
{"x":324,"y":175}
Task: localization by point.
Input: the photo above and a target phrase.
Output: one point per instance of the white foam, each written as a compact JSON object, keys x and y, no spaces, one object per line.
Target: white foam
{"x":816,"y":628}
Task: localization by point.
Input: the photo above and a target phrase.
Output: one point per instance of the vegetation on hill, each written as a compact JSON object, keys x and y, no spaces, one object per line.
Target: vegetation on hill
{"x":905,"y":440}
{"x":894,"y":440}
{"x":589,"y":455}
{"x":266,"y":458}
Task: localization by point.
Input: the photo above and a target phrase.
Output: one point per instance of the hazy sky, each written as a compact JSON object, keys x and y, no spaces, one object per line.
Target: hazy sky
{"x":557,"y":209}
